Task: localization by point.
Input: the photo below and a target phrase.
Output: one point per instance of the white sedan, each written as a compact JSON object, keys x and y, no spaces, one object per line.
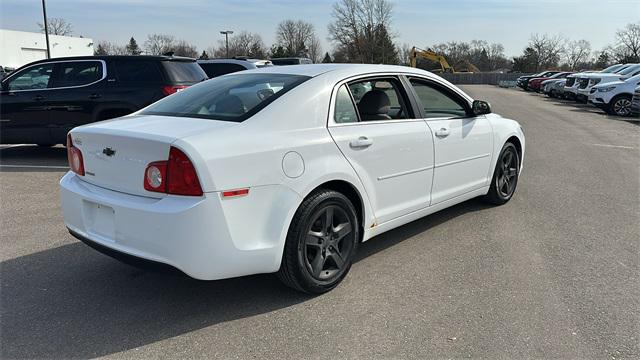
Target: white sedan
{"x":284,"y":169}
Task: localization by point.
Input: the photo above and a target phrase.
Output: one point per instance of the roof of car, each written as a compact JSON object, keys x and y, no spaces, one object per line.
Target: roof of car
{"x":124,"y":57}
{"x":345,"y":70}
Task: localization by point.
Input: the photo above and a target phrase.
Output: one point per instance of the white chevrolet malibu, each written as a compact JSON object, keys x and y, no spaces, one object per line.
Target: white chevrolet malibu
{"x":285,"y":169}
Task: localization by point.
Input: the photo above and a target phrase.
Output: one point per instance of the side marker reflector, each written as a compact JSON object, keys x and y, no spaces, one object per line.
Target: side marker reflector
{"x":235,"y":193}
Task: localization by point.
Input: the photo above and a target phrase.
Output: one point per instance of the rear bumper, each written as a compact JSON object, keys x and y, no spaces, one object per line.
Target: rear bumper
{"x":205,"y":237}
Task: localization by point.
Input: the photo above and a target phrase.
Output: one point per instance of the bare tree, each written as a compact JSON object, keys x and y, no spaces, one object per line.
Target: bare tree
{"x":577,"y":53}
{"x":183,"y":48}
{"x":315,"y":50}
{"x":628,"y":43}
{"x":547,"y":50}
{"x":57,"y":26}
{"x":243,"y":44}
{"x":295,"y":36}
{"x":109,"y":48}
{"x":158,"y":44}
{"x":357,"y":26}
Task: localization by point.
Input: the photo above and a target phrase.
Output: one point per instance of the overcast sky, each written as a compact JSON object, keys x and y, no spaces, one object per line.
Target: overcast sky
{"x":415,"y":22}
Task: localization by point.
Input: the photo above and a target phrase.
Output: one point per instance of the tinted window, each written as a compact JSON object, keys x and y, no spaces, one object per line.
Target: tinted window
{"x":35,"y":77}
{"x":78,"y":73}
{"x":183,"y":71}
{"x":435,"y":102}
{"x":229,"y":98}
{"x":218,"y":69}
{"x":138,"y":71}
{"x":379,"y":99}
{"x":345,"y":111}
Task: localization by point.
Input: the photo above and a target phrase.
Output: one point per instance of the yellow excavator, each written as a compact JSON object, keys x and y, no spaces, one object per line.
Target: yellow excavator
{"x":444,"y":64}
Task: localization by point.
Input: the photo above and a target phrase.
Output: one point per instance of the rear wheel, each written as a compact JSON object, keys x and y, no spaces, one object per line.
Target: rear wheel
{"x":321,"y":243}
{"x":620,"y":105}
{"x":505,"y":176}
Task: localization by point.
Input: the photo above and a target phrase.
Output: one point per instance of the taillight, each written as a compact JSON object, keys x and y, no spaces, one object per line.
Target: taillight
{"x":74,"y":156}
{"x":172,"y":89}
{"x":155,"y":177}
{"x":175,"y":176}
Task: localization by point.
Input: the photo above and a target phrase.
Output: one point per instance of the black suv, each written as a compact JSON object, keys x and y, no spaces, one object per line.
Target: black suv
{"x":41,"y":101}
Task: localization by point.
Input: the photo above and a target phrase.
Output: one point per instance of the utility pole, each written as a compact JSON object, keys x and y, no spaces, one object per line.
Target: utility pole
{"x":46,"y":28}
{"x":226,"y":34}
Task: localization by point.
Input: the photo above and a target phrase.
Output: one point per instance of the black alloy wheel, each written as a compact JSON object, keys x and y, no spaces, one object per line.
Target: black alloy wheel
{"x":505,"y":176}
{"x":321,"y":243}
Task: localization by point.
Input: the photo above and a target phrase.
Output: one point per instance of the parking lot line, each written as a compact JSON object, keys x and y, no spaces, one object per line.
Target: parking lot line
{"x":615,"y":146}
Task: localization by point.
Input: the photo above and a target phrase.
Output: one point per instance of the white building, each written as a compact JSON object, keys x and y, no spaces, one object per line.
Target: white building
{"x":20,"y":47}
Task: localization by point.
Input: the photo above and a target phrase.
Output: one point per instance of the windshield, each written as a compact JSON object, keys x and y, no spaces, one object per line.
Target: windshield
{"x":612,"y":68}
{"x":234,"y":97}
{"x":629,"y":70}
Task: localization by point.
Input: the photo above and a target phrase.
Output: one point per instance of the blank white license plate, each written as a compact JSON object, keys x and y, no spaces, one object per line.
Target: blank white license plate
{"x":100,"y":220}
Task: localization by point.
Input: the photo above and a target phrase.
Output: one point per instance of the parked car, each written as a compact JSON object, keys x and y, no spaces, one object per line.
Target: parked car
{"x":523,"y":81}
{"x":535,"y":83}
{"x":615,"y":97}
{"x":291,"y":61}
{"x":292,"y":182}
{"x":571,"y":87}
{"x":553,"y":87}
{"x":219,"y":67}
{"x":589,"y":80}
{"x":635,"y":103}
{"x":42,"y":101}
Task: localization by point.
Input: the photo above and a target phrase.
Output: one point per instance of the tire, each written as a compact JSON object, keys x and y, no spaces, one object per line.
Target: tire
{"x":505,"y":176}
{"x":552,"y":94}
{"x":317,"y":253}
{"x":620,"y":106}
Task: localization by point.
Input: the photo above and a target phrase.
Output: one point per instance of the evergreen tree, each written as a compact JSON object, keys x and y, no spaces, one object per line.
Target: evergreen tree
{"x":204,"y":55}
{"x":528,"y":62}
{"x":603,"y":60}
{"x":384,"y":50}
{"x":327,"y":59}
{"x":133,"y":48}
{"x":100,"y":50}
{"x":278,"y":51}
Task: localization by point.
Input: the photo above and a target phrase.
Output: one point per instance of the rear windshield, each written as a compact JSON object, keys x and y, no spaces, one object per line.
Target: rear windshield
{"x":218,"y":69}
{"x":234,"y":97}
{"x":184,"y":71}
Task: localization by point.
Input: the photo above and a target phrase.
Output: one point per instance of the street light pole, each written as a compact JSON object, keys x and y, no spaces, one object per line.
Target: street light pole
{"x":226,"y":34}
{"x":46,"y":28}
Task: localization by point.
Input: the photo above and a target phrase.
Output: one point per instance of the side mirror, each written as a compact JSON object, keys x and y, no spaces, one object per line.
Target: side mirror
{"x":480,"y":107}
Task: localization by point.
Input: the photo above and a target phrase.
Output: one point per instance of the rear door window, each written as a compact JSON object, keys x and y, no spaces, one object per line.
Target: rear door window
{"x":78,"y":73}
{"x":380,"y":99}
{"x":345,"y":111}
{"x":184,"y":71}
{"x":141,"y":71}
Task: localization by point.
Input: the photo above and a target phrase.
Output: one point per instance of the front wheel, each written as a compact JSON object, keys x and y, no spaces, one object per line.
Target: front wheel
{"x":321,"y":243}
{"x":505,"y":176}
{"x":620,"y":106}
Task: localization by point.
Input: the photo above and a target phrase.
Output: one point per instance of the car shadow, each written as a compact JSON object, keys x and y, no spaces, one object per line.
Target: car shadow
{"x":72,"y":302}
{"x":26,"y":158}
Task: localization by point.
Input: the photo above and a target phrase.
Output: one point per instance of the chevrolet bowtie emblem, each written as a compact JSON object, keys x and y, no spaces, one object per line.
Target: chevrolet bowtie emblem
{"x":109,"y":151}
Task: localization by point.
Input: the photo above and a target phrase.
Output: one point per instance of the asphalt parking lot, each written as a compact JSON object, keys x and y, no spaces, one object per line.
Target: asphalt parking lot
{"x":553,"y":274}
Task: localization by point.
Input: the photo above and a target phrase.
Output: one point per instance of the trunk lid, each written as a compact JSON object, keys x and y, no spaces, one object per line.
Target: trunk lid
{"x":117,"y":152}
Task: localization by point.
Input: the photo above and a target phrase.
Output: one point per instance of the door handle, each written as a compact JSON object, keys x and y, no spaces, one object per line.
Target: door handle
{"x":442,"y":133}
{"x":94,"y":96}
{"x":361,"y":143}
{"x":39,"y":98}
